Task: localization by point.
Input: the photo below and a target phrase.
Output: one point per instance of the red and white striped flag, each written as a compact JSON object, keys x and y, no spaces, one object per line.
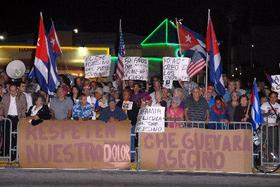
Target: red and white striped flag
{"x":121,"y":54}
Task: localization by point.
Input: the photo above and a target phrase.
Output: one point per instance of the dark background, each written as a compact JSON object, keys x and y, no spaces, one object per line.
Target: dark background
{"x":238,"y":24}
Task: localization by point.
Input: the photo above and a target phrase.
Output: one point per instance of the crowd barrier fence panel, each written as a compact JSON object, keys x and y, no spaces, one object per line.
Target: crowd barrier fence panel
{"x":5,"y":139}
{"x":270,"y":141}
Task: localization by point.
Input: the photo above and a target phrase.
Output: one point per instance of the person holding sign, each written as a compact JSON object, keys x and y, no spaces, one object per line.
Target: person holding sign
{"x":129,"y":107}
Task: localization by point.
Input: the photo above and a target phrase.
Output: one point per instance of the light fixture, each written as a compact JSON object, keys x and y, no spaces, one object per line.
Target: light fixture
{"x":2,"y":37}
{"x":76,"y":31}
{"x":252,"y":45}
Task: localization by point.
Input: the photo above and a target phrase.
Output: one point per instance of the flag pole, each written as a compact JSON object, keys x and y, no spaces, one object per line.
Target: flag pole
{"x":207,"y":56}
{"x":180,"y":50}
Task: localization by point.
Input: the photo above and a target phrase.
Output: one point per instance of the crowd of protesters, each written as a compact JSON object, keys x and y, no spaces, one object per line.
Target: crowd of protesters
{"x":114,"y":101}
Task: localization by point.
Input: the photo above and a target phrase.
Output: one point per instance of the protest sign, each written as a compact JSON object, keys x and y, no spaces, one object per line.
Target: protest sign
{"x":196,"y":149}
{"x":97,"y":66}
{"x":168,"y":84}
{"x":74,"y":144}
{"x":175,"y":68}
{"x":276,"y":84}
{"x":150,"y":119}
{"x":127,"y":105}
{"x":135,"y":68}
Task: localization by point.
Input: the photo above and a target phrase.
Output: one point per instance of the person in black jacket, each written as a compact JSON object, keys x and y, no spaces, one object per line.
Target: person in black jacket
{"x":39,"y":111}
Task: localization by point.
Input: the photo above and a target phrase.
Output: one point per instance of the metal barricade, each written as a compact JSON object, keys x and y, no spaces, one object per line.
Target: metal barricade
{"x":5,"y":139}
{"x":214,"y":125}
{"x":270,"y":141}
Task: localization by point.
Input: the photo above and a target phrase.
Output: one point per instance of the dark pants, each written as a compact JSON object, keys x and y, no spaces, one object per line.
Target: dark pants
{"x":14,"y":120}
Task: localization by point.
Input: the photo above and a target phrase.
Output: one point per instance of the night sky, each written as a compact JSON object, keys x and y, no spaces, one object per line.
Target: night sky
{"x":139,"y":17}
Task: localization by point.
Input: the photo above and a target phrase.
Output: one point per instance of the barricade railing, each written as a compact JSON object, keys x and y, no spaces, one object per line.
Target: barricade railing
{"x":5,"y":139}
{"x":214,"y":125}
{"x":270,"y":147}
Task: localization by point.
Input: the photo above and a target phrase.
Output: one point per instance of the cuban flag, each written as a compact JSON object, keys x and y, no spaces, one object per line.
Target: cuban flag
{"x":256,"y":115}
{"x":190,"y":41}
{"x":45,"y":68}
{"x":54,"y":41}
{"x":192,"y":45}
{"x":215,"y":65}
{"x":54,"y":52}
{"x":41,"y":63}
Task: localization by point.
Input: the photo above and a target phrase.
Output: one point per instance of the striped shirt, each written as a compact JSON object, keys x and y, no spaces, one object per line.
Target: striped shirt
{"x":196,"y":110}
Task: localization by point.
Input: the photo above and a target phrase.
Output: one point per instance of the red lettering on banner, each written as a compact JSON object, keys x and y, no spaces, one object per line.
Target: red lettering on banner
{"x":161,"y":140}
{"x":46,"y":153}
{"x":146,"y":143}
{"x":187,"y":142}
{"x":31,"y":133}
{"x":226,"y":144}
{"x":116,"y":153}
{"x":110,"y":131}
{"x":247,"y":146}
{"x":98,"y":131}
{"x":207,"y":159}
{"x":42,"y":134}
{"x":65,"y":130}
{"x":172,"y":159}
{"x":172,"y":140}
{"x":199,"y":142}
{"x":56,"y":152}
{"x":53,"y":132}
{"x":161,"y":160}
{"x":219,"y":158}
{"x":32,"y":153}
{"x":67,"y":153}
{"x":236,"y":143}
{"x":181,"y":158}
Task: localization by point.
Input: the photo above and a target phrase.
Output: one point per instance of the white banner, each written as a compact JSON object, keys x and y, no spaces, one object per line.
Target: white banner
{"x":175,"y":68}
{"x":276,"y":84}
{"x":97,"y":66}
{"x":150,"y":119}
{"x":135,"y":68}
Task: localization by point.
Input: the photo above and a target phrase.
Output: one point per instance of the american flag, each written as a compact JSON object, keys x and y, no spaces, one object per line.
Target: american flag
{"x":121,"y":54}
{"x":196,"y":65}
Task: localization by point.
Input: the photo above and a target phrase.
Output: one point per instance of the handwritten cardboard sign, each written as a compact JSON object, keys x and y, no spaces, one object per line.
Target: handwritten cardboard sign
{"x":196,"y":149}
{"x":97,"y":66}
{"x":276,"y":84}
{"x":74,"y":144}
{"x":175,"y":68}
{"x":150,"y":119}
{"x":136,"y":68}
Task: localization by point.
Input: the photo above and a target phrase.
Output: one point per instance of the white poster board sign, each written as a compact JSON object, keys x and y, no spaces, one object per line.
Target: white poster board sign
{"x":175,"y":68}
{"x":97,"y":66}
{"x":135,"y":68}
{"x":150,"y":119}
{"x":276,"y":84}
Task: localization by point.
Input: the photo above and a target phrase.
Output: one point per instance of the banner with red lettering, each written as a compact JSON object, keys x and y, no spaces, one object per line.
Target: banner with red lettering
{"x":74,"y":144}
{"x":197,"y":149}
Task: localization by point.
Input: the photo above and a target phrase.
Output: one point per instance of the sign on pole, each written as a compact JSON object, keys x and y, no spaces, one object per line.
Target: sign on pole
{"x":150,"y":119}
{"x":175,"y":68}
{"x":135,"y":68}
{"x":276,"y":84}
{"x":97,"y":66}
